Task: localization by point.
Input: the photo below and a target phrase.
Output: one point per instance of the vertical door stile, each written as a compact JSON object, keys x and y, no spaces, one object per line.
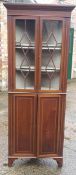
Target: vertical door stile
{"x":39,"y":79}
{"x":10,"y":54}
{"x":63,"y":55}
{"x":67,"y":21}
{"x":37,"y":53}
{"x":37,"y":127}
{"x":40,"y":51}
{"x":14,"y":56}
{"x":59,"y":124}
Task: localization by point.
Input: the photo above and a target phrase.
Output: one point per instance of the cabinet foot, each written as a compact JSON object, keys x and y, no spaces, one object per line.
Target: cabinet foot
{"x":10,"y":161}
{"x":59,"y":162}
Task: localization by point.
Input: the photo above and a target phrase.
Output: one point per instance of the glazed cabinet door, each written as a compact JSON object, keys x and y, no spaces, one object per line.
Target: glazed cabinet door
{"x":22,"y":124}
{"x":24,"y":55}
{"x":52,"y":34}
{"x":48,"y":124}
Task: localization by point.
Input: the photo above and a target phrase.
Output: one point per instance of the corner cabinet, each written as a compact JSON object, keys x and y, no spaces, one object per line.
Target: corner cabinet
{"x":38,"y":42}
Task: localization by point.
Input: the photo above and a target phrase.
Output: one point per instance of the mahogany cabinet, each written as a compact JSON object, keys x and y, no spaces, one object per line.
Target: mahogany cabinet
{"x":38,"y":43}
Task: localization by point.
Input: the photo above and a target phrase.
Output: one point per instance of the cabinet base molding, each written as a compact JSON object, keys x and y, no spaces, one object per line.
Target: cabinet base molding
{"x":59,"y":160}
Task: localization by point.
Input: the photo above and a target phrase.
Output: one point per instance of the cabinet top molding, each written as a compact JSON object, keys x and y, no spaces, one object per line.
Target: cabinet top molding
{"x":44,"y":7}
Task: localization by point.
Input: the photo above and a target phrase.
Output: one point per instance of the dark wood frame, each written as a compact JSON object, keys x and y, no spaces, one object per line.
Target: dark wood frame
{"x":38,"y":12}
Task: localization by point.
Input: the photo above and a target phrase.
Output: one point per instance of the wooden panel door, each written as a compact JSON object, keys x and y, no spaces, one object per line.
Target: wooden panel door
{"x":48,"y":124}
{"x":22,"y":127}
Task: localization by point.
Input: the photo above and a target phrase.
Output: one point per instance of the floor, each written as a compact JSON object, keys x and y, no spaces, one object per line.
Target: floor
{"x":41,"y":166}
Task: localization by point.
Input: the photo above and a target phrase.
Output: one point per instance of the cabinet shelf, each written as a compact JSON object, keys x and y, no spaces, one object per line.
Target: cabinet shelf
{"x":26,"y":68}
{"x":32,"y":46}
{"x":51,"y":47}
{"x":49,"y":69}
{"x":32,"y":68}
{"x":25,"y":46}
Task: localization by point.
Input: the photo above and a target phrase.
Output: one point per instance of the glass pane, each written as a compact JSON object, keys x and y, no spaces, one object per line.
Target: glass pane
{"x":25,"y":54}
{"x":51,"y":54}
